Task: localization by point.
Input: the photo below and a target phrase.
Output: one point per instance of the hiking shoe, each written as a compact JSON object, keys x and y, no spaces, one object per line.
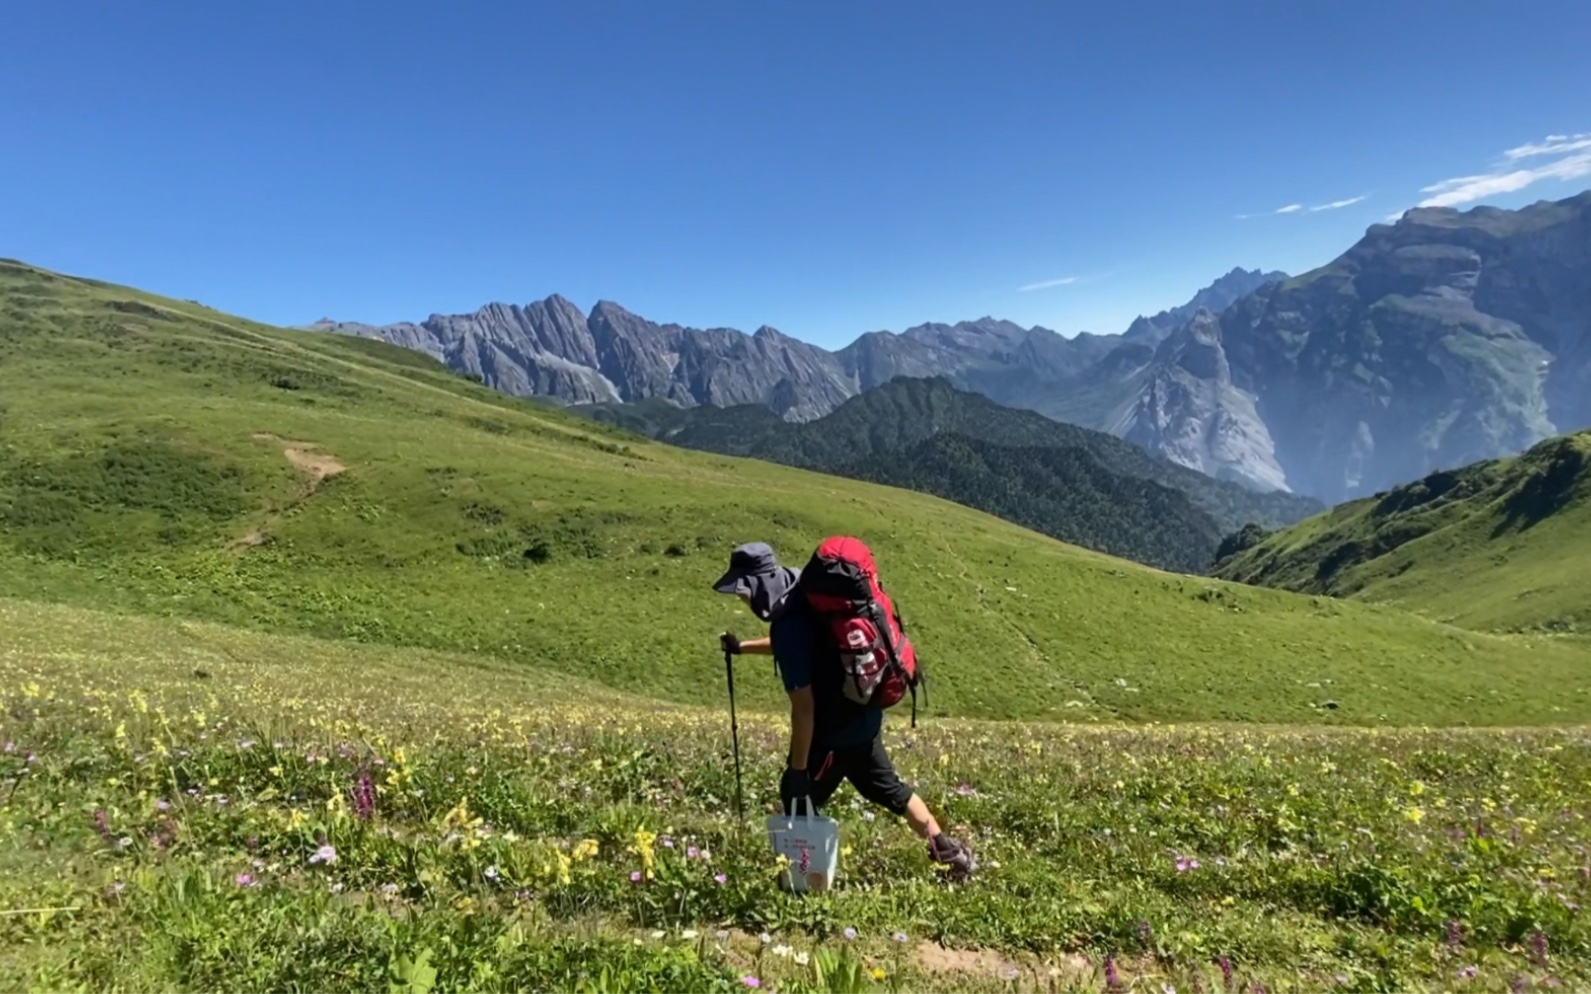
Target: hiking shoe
{"x":954,"y":854}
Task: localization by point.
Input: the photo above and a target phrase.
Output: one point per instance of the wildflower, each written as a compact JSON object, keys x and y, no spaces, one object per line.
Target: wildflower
{"x":389,"y":889}
{"x":801,"y":959}
{"x":966,"y":790}
{"x":721,"y":935}
{"x":1145,"y":933}
{"x":325,"y":854}
{"x":765,"y":938}
{"x":689,"y":934}
{"x":692,"y":852}
{"x":1455,"y":933}
{"x":899,"y":937}
{"x":124,"y":842}
{"x":1468,"y":973}
{"x":491,"y":873}
{"x":1186,"y":863}
{"x":1167,"y":988}
{"x":782,"y":951}
{"x":162,"y":806}
{"x":362,"y":796}
{"x":1226,"y":971}
{"x":850,"y":934}
{"x":1538,"y":947}
{"x":750,"y":981}
{"x":658,"y":933}
{"x":1112,"y":978}
{"x":245,"y":880}
{"x":721,"y":879}
{"x":635,"y":876}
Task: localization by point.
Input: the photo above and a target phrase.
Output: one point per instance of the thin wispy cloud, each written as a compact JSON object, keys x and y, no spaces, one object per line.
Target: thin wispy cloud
{"x":1301,"y":209}
{"x":1339,"y":204}
{"x":1567,"y":157}
{"x":1046,"y":284}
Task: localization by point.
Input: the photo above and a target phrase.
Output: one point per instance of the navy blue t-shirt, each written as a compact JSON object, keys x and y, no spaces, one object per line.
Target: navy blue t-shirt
{"x":807,"y":658}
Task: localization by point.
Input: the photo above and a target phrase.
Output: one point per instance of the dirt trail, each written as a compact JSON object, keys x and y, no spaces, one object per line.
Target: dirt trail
{"x":303,"y":455}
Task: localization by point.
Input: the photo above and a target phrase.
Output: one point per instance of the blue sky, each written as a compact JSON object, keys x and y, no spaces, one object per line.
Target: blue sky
{"x":826,"y":168}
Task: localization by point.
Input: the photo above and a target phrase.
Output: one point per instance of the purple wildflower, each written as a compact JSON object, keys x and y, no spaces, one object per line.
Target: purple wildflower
{"x":99,"y":824}
{"x":1225,"y":964}
{"x":162,"y":806}
{"x":721,"y":879}
{"x":1468,"y":973}
{"x":765,"y":938}
{"x":635,"y":876}
{"x":1538,"y":947}
{"x":362,"y":796}
{"x":966,"y":790}
{"x":245,"y":880}
{"x":850,"y":934}
{"x":899,"y":937}
{"x":692,"y":852}
{"x":325,"y":854}
{"x":751,"y":981}
{"x":1112,"y":978}
{"x":1455,"y":933}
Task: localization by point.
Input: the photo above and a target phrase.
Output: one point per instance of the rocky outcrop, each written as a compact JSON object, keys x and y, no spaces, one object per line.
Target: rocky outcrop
{"x":1216,"y":297}
{"x":1445,"y":339}
{"x":1189,"y":411}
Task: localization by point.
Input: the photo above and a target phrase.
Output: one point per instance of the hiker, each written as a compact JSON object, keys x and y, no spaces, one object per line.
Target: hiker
{"x":832,"y":738}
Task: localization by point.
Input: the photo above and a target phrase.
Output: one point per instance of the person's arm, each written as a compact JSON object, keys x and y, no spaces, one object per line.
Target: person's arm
{"x":801,"y":724}
{"x":758,"y":647}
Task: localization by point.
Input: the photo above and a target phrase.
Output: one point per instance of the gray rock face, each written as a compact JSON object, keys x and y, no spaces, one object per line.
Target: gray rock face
{"x":1448,"y":338}
{"x":1216,"y":297}
{"x":1189,"y":411}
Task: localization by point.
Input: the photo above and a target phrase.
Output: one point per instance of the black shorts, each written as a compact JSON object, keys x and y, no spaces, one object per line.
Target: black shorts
{"x":869,"y":770}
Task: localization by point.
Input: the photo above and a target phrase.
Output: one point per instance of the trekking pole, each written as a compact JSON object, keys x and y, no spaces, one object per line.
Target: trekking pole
{"x":734,"y":732}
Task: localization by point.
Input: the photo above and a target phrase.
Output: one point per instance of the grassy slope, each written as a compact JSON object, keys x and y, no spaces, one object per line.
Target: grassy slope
{"x":153,"y":761}
{"x":129,"y":466}
{"x":1501,"y":545}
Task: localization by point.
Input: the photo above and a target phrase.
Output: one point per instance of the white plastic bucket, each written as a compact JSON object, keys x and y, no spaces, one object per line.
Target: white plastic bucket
{"x":812,"y":844}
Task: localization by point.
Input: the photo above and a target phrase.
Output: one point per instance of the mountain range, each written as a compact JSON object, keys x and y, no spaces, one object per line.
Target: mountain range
{"x":1442,"y":339}
{"x":1075,"y":484}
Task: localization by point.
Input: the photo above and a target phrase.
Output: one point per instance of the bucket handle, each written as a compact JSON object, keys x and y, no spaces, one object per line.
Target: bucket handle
{"x":794,"y":806}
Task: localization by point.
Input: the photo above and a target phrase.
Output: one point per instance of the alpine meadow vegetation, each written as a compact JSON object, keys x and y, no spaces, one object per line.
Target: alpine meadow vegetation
{"x":325,"y":668}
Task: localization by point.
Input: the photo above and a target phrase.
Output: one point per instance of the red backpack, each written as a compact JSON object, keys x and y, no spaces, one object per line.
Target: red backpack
{"x":841,"y":584}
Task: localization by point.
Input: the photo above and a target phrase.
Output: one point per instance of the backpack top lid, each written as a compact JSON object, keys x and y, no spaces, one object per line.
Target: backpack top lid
{"x":841,"y":575}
